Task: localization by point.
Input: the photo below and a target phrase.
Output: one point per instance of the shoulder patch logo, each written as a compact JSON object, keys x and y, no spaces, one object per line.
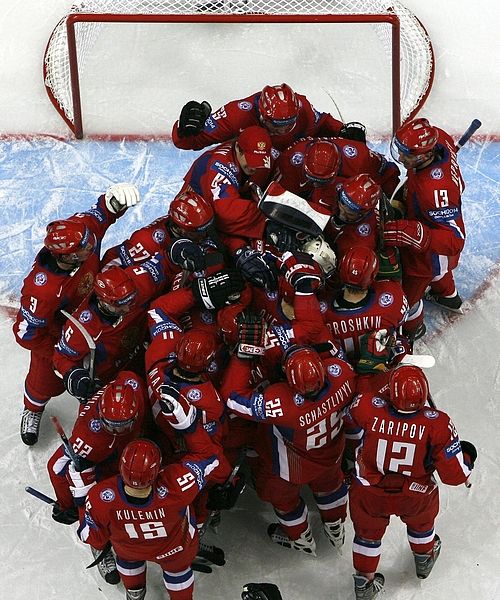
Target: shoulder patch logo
{"x":437,"y":173}
{"x":158,"y":236}
{"x":107,"y":495}
{"x":386,"y":299}
{"x":85,"y":316}
{"x":297,"y":158}
{"x":161,"y":491}
{"x":364,"y":229}
{"x":378,"y":402}
{"x":40,"y":279}
{"x":95,"y":425}
{"x":207,"y":317}
{"x":298,"y":399}
{"x":194,"y":394}
{"x":245,"y":105}
{"x":350,"y":151}
{"x":334,"y":370}
{"x":133,"y":383}
{"x":431,"y":414}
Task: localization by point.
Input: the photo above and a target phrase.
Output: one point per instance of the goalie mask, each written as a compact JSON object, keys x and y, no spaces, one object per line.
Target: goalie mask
{"x":118,"y":408}
{"x":140,"y":464}
{"x":304,"y":371}
{"x":278,"y":108}
{"x":414,"y":143}
{"x":408,"y":388}
{"x":322,"y":253}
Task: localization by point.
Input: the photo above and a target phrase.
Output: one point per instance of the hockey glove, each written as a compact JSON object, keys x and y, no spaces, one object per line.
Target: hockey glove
{"x":177,"y":410}
{"x":66,"y":516}
{"x":389,"y":265}
{"x":120,"y":196}
{"x":469,"y":452}
{"x":78,"y":383}
{"x":280,"y":237}
{"x":261,"y":591}
{"x":217,"y":290}
{"x":80,"y":482}
{"x":301,"y":271}
{"x":255,"y":269}
{"x":374,"y":352}
{"x":187,"y":255}
{"x":193,"y":117}
{"x":224,"y":496}
{"x":410,"y":234}
{"x":354,"y":131}
{"x":251,"y":335}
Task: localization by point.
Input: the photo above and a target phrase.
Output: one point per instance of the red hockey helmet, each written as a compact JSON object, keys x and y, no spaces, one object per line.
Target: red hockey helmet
{"x":191,"y":214}
{"x":140,"y":463}
{"x":196,"y":350}
{"x":304,"y":371}
{"x":358,"y":267}
{"x":408,"y":388}
{"x":414,"y":142}
{"x":119,"y":407}
{"x":227,"y":322}
{"x":359,"y":195}
{"x":321,"y":161}
{"x":115,"y":290}
{"x":278,"y":107}
{"x":70,"y":238}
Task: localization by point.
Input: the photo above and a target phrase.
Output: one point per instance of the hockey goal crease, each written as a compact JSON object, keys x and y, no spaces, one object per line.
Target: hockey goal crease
{"x":405,"y":40}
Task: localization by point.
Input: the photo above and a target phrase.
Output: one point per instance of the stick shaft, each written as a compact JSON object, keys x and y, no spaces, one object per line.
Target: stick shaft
{"x":40,"y":495}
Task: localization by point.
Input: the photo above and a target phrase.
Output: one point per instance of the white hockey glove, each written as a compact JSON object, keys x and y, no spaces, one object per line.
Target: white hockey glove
{"x":178,"y":411}
{"x":121,"y":196}
{"x":80,"y":483}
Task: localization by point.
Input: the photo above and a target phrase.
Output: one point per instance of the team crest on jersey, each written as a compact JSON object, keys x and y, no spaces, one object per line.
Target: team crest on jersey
{"x":233,"y":167}
{"x":85,"y":316}
{"x":158,"y":236}
{"x":85,"y":284}
{"x":298,"y":399}
{"x":350,"y":151}
{"x":245,"y":105}
{"x":378,"y":402}
{"x":431,"y":414}
{"x":107,"y":495}
{"x":334,"y":370}
{"x":95,"y":425}
{"x":133,"y":383}
{"x":275,"y":153}
{"x":437,"y":173}
{"x":207,"y":317}
{"x":297,"y":158}
{"x":194,"y":394}
{"x":386,"y":300}
{"x":213,"y":367}
{"x":364,"y":229}
{"x":161,"y":491}
{"x":323,"y":306}
{"x":40,"y":279}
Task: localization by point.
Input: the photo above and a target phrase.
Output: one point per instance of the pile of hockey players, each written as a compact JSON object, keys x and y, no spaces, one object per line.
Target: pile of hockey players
{"x":261,"y":330}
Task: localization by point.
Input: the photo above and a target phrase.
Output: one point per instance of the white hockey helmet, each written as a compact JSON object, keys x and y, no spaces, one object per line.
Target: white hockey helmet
{"x":322,"y":253}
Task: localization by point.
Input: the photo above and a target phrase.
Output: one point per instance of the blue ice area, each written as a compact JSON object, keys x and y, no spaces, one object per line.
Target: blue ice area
{"x":45,"y":178}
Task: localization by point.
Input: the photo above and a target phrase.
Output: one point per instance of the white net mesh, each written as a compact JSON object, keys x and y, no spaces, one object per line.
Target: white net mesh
{"x":415,"y":47}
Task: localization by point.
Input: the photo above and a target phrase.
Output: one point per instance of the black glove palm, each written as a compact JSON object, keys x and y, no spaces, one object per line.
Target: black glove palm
{"x":187,"y":255}
{"x":255,"y":269}
{"x":78,"y":383}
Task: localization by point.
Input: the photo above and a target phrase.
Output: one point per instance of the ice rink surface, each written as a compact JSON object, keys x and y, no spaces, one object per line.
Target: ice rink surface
{"x":45,"y":178}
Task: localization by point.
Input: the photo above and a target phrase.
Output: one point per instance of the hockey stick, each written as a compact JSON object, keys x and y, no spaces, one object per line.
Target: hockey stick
{"x":40,"y":495}
{"x":75,"y":458}
{"x":88,"y":338}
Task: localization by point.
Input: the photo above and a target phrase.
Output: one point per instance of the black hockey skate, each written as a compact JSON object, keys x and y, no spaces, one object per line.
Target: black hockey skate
{"x":107,"y":566}
{"x":453,"y":304}
{"x":424,"y":563}
{"x":365,"y":589}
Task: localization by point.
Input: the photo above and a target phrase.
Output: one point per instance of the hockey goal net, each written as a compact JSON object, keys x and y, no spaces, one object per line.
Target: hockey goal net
{"x":400,"y":33}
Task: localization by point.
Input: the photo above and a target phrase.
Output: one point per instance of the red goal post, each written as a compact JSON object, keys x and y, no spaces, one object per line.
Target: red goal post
{"x":408,"y":45}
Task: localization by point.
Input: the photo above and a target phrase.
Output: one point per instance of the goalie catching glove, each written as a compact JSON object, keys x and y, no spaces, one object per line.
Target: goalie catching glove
{"x":251,"y":335}
{"x":255,"y":269}
{"x":218,"y":290}
{"x":301,"y":271}
{"x":405,"y":233}
{"x":193,"y":117}
{"x":120,"y":196}
{"x":177,"y":410}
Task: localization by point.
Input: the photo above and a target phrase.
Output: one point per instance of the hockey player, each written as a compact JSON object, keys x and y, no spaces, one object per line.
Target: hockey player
{"x":223,"y":176}
{"x":61,"y":276}
{"x":363,"y":306}
{"x":114,"y":315}
{"x":312,"y":168}
{"x":300,"y":440}
{"x":286,"y":115}
{"x":402,"y":444}
{"x":145,"y":512}
{"x":105,"y":424}
{"x":432,"y":233}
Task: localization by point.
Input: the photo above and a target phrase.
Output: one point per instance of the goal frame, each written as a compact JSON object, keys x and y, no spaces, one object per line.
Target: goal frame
{"x":72,"y":20}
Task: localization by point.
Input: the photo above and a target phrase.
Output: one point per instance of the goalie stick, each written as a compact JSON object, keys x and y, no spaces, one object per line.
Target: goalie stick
{"x":424,"y":361}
